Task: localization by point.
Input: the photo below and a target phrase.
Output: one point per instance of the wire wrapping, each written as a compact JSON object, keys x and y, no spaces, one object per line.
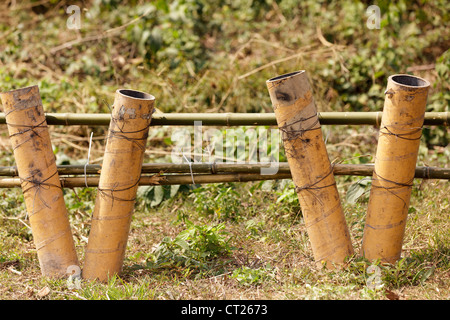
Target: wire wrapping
{"x":31,"y":128}
{"x":402,"y":135}
{"x":291,"y":134}
{"x":38,"y":184}
{"x":109,"y":192}
{"x":396,"y":185}
{"x":120,"y":134}
{"x":313,"y":186}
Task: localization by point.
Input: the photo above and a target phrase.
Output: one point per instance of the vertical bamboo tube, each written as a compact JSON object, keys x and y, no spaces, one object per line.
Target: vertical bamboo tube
{"x":40,"y":182}
{"x":119,"y":178}
{"x":311,"y":170}
{"x":395,"y":163}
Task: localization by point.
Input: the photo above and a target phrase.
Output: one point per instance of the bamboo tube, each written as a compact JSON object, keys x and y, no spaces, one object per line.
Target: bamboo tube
{"x":396,"y":156}
{"x":234,"y":119}
{"x":227,"y":175}
{"x":421,"y":172}
{"x":119,"y":178}
{"x":310,"y":166}
{"x":39,"y":180}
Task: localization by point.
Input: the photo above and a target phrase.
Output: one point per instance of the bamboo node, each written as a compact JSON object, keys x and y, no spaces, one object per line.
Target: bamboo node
{"x":213,"y":167}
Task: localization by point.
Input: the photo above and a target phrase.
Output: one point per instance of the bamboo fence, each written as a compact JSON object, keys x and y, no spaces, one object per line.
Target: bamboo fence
{"x":72,"y":176}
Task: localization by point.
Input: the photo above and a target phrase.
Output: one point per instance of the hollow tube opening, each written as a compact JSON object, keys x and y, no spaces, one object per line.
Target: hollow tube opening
{"x":287,"y":75}
{"x":410,"y":81}
{"x":136,"y":94}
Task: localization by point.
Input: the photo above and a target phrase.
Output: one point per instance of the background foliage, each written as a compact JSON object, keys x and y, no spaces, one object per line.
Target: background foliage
{"x":215,"y":56}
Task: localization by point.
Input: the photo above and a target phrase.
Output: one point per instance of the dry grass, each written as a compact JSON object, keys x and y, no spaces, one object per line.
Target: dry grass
{"x":282,"y":245}
{"x":83,"y":78}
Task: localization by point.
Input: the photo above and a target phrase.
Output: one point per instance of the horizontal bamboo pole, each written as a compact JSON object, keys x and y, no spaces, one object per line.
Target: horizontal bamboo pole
{"x":421,"y":172}
{"x":180,"y":179}
{"x":233,"y":119}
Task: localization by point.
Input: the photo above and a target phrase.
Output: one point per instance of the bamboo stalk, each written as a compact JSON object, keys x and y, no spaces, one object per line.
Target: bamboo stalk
{"x":146,"y":180}
{"x":395,"y":162}
{"x":39,"y":180}
{"x":234,"y":119}
{"x":118,"y":183}
{"x":421,"y":172}
{"x":237,"y":176}
{"x":312,"y":173}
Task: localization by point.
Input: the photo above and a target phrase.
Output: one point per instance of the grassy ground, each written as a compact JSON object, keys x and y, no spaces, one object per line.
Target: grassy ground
{"x":241,"y":240}
{"x":264,"y":254}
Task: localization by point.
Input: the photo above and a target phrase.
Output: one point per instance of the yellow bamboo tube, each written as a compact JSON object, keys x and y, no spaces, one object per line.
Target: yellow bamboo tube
{"x":40,"y":182}
{"x":395,"y":163}
{"x":312,"y":172}
{"x":119,"y":178}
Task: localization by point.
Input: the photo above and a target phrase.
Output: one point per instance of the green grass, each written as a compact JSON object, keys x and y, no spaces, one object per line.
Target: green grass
{"x":263,"y":255}
{"x":228,"y":240}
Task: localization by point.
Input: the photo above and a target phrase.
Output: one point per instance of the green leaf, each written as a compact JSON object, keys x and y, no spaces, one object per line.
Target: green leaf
{"x":162,"y":5}
{"x":173,"y":190}
{"x":158,"y":196}
{"x":427,"y":274}
{"x":355,"y":191}
{"x":183,"y":244}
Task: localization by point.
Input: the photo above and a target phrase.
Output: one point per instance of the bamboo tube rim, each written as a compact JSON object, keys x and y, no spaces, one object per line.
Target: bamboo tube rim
{"x":286,"y":76}
{"x":135,"y":94}
{"x":410,"y":81}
